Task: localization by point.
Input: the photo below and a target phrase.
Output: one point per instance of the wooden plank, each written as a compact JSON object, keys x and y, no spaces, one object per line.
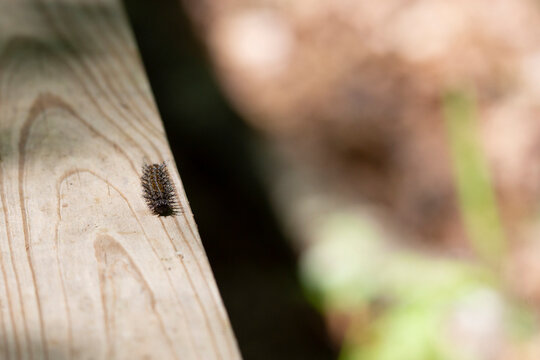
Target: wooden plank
{"x":86,"y":271}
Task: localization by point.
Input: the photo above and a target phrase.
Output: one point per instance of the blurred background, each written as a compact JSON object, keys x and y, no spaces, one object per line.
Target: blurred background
{"x":365,"y":174}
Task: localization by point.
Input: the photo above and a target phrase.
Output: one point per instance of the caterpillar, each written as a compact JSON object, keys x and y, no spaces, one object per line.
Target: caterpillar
{"x":158,"y":190}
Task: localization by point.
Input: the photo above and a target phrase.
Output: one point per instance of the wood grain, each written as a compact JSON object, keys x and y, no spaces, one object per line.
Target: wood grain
{"x":86,"y":272}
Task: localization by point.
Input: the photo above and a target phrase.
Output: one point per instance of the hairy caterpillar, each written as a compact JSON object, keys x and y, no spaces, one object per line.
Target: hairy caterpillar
{"x":158,"y":190}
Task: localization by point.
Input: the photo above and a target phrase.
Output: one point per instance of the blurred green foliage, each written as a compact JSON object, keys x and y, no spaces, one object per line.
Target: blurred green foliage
{"x":408,"y":295}
{"x":476,"y":196}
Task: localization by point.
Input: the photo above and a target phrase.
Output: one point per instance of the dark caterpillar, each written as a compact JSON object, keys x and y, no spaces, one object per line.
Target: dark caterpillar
{"x":158,"y":190}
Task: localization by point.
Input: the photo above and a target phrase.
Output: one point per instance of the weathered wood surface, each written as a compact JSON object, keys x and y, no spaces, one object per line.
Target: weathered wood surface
{"x":86,"y":272}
